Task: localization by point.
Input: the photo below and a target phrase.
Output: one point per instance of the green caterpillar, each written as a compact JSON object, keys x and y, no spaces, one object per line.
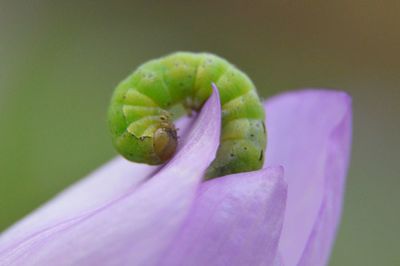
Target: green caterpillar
{"x":143,"y":131}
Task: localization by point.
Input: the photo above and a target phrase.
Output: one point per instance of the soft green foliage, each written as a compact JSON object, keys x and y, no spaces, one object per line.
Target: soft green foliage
{"x":140,"y":103}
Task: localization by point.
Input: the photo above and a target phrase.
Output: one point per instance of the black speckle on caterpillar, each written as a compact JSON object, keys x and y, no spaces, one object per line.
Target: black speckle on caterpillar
{"x":141,"y":126}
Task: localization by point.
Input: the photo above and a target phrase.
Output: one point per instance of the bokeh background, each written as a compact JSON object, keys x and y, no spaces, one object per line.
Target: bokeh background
{"x":60,"y":60}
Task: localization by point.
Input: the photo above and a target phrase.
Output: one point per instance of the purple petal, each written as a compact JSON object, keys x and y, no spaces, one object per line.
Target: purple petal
{"x":236,"y":220}
{"x":112,"y":180}
{"x":136,"y":226}
{"x":309,"y":133}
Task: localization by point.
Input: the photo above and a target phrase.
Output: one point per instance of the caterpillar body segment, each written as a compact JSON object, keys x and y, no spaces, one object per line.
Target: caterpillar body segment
{"x":143,"y":131}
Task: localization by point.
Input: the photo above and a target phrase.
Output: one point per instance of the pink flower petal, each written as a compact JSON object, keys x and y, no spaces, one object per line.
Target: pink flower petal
{"x":236,"y":220}
{"x":309,"y":134}
{"x":138,"y":225}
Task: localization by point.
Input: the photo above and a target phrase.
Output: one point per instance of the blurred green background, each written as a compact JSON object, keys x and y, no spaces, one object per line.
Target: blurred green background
{"x":60,"y":60}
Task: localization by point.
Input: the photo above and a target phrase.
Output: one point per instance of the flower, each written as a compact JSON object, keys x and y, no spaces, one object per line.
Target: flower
{"x":132,"y":214}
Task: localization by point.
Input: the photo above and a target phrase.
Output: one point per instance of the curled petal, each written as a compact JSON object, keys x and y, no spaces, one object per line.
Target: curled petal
{"x":137,"y":225}
{"x":236,"y":220}
{"x":310,"y":135}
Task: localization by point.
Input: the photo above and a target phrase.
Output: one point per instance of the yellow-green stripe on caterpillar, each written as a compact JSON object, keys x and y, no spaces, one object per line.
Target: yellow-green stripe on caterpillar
{"x":143,"y":131}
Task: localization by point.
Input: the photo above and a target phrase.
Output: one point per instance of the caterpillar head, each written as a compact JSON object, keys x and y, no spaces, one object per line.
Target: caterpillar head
{"x":165,"y":141}
{"x":154,"y":150}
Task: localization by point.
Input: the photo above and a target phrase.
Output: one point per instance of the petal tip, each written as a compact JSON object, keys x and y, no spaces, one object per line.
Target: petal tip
{"x":214,"y":99}
{"x":275,"y":174}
